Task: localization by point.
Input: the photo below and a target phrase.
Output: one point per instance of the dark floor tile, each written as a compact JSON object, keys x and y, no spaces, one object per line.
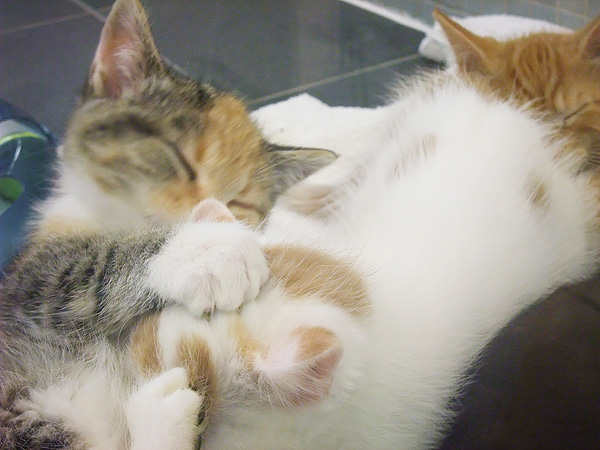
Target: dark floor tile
{"x":369,"y":88}
{"x":19,"y":13}
{"x":234,"y":44}
{"x":263,"y":49}
{"x":43,"y":68}
{"x":99,"y":4}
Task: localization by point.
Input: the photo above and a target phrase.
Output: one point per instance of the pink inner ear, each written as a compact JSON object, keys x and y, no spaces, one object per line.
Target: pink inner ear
{"x":299,"y":370}
{"x":126,"y":51}
{"x":590,"y":43}
{"x":469,"y":49}
{"x":211,"y":210}
{"x":110,"y":60}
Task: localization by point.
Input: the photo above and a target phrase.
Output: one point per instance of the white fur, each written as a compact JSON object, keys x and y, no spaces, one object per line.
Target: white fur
{"x":453,"y":247}
{"x":163,"y":413}
{"x":88,"y":400}
{"x":78,"y":200}
{"x":208,"y":266}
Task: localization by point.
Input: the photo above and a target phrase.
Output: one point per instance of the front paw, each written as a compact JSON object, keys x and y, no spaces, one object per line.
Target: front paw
{"x":163,"y":413}
{"x":208,"y":266}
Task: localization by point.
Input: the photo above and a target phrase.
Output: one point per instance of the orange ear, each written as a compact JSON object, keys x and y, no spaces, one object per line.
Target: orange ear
{"x":472,"y":52}
{"x":299,"y":369}
{"x":126,"y":53}
{"x":589,"y":38}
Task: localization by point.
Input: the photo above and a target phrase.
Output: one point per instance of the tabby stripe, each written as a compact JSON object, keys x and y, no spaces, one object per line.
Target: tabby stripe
{"x":103,"y":278}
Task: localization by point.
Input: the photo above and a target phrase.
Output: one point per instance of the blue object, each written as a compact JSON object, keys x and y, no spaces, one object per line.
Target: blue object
{"x":27,"y":158}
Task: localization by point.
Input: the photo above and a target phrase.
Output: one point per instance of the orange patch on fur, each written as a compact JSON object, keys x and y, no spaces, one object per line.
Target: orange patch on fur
{"x":231,"y":154}
{"x":306,"y":273}
{"x":178,"y":199}
{"x":319,"y":352}
{"x":194,"y":355}
{"x":145,"y":347}
{"x":314,"y":341}
{"x":247,"y":346}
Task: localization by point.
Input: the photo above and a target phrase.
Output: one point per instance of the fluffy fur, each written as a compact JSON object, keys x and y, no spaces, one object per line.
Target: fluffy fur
{"x":454,"y":223}
{"x":451,"y":247}
{"x":470,"y":207}
{"x":556,"y":72}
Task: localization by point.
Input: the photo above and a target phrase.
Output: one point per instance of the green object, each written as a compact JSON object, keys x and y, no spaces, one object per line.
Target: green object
{"x":27,"y":156}
{"x":10,"y":189}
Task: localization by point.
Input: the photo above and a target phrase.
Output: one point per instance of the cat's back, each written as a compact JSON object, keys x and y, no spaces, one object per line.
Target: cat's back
{"x":451,"y":148}
{"x":464,"y":214}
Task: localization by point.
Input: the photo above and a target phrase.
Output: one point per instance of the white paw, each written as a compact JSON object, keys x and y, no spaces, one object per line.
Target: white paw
{"x":163,"y":413}
{"x":208,"y":266}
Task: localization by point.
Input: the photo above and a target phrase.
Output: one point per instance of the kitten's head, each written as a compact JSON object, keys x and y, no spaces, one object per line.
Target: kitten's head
{"x":557,"y":72}
{"x":157,"y":142}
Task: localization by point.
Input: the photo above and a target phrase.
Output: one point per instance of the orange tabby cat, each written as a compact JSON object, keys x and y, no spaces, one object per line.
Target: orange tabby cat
{"x":559,"y":73}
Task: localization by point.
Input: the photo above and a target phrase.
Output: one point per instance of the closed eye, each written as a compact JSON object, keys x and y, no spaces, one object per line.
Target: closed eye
{"x":574,"y":113}
{"x":191,"y":174}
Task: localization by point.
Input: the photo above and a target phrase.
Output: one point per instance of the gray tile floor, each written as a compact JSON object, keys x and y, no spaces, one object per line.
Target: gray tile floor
{"x":264,"y":50}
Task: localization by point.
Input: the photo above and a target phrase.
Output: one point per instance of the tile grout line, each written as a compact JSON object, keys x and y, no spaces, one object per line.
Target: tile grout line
{"x":397,"y":16}
{"x":42,"y":23}
{"x":87,"y":8}
{"x":324,"y":81}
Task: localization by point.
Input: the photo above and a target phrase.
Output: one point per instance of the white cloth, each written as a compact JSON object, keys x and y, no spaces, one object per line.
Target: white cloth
{"x":305,"y":121}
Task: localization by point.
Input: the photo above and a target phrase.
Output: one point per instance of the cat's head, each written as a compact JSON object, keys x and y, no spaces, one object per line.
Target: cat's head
{"x":557,"y":72}
{"x":148,"y":139}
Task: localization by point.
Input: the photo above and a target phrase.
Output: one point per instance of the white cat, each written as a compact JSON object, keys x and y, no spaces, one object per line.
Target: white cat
{"x":388,"y":284}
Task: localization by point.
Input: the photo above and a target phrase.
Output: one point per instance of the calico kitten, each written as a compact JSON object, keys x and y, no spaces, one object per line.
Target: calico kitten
{"x":143,"y":148}
{"x":147,"y":144}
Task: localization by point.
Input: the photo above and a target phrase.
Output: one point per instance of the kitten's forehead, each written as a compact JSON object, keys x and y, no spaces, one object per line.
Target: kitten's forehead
{"x":172,"y":91}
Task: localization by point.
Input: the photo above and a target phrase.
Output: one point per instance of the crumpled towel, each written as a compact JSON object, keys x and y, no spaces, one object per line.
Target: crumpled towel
{"x":305,"y":121}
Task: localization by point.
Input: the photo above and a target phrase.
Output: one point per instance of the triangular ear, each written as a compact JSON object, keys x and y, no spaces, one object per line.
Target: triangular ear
{"x":298,"y":369}
{"x":589,"y":39}
{"x":471,"y":51}
{"x":293,"y":164}
{"x":126,"y":53}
